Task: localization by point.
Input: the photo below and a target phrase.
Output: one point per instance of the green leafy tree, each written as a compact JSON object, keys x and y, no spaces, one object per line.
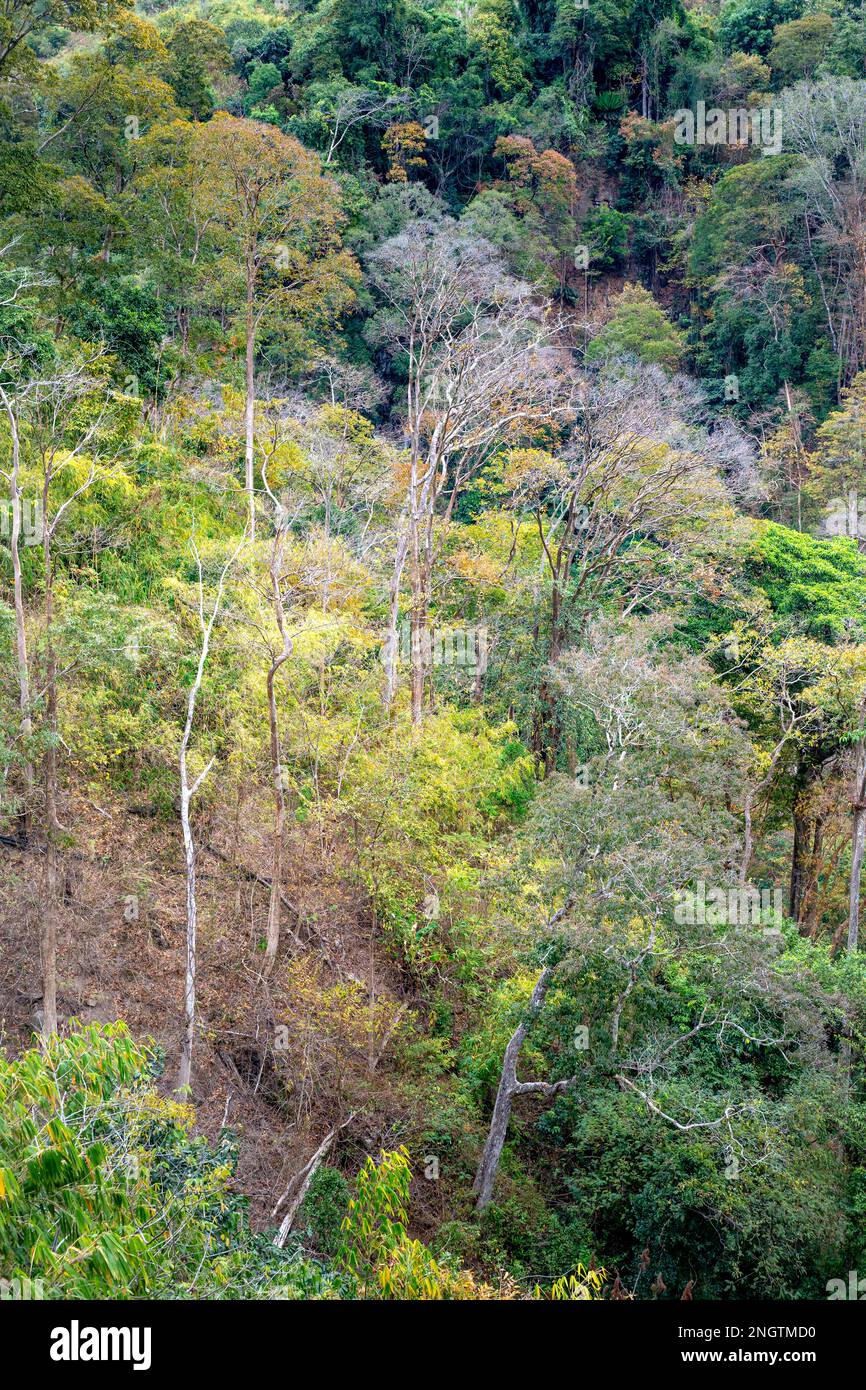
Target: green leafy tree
{"x":129,"y":320}
{"x":799,"y":47}
{"x":200,"y":54}
{"x":638,"y":328}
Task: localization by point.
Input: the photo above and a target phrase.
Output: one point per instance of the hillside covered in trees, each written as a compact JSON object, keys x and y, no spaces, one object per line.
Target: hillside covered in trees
{"x":432,"y":649}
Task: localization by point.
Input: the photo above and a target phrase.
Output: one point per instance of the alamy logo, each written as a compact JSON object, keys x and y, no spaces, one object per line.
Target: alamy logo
{"x":77,"y":1343}
{"x":855,"y":1289}
{"x":21,"y":1290}
{"x":728,"y":907}
{"x":31,"y":526}
{"x":761,"y":127}
{"x":845,"y":516}
{"x":463,"y":646}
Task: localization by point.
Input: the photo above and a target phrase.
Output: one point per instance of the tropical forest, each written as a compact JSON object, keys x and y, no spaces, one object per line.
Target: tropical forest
{"x":433,"y":651}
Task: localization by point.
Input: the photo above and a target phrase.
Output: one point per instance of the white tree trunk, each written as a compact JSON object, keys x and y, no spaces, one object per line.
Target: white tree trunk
{"x":390,"y":651}
{"x":187,"y":792}
{"x":274,"y":906}
{"x":188,"y":1038}
{"x":249,"y":407}
{"x":25,"y":715}
{"x":858,"y":837}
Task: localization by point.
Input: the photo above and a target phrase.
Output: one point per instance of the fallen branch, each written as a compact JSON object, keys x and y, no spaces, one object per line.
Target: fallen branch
{"x":250,"y":874}
{"x":301,"y":1182}
{"x":389,"y":1033}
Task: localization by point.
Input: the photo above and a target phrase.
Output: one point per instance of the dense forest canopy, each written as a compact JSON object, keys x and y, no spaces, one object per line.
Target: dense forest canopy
{"x":433,"y":632}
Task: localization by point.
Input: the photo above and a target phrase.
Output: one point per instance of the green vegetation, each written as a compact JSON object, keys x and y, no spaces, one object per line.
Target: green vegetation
{"x":432,"y":649}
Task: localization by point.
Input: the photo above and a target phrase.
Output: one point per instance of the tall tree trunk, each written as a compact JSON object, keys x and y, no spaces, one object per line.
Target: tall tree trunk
{"x":24,"y":711}
{"x":188,"y":1037}
{"x":547,"y":731}
{"x":422,"y":597}
{"x":810,"y":903}
{"x":250,"y":401}
{"x":808,"y":843}
{"x":390,"y":650}
{"x":419,"y":646}
{"x":798,"y":853}
{"x":803,"y":850}
{"x":273,"y":932}
{"x":858,"y":839}
{"x":187,"y":792}
{"x":748,"y":803}
{"x":485,"y":1178}
{"x":807,"y":847}
{"x":556,"y":635}
{"x":509,"y":1087}
{"x":273,"y":935}
{"x":50,"y":904}
{"x":481,"y":659}
{"x":424,"y":490}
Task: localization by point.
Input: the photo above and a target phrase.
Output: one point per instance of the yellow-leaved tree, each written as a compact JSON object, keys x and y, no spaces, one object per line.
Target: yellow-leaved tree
{"x":276,"y":222}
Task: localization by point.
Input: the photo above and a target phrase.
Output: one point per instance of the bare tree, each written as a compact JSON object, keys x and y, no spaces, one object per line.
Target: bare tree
{"x":19,"y":282}
{"x":187,"y":791}
{"x":825,"y":123}
{"x":481,"y":366}
{"x":629,"y":468}
{"x":338,"y":466}
{"x":12,"y":476}
{"x":352,"y":106}
{"x":509,"y":1086}
{"x":65,"y":412}
{"x":279,"y":656}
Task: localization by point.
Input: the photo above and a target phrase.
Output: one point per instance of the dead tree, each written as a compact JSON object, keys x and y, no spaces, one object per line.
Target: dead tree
{"x":278,"y":659}
{"x":300,"y":1183}
{"x":187,"y":792}
{"x":482,"y":366}
{"x":509,"y":1087}
{"x":26,"y":724}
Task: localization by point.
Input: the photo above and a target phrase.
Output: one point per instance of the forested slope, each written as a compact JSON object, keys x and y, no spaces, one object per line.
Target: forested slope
{"x":433,"y":631}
